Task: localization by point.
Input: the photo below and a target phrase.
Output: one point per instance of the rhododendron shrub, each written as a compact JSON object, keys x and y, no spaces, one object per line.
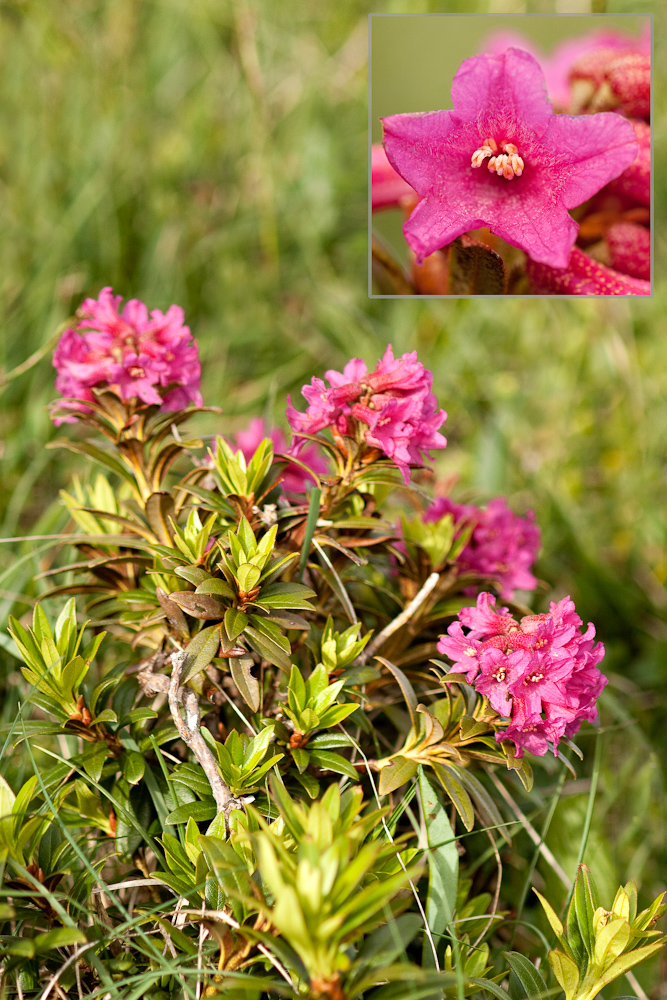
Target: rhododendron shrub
{"x":251,"y":768}
{"x":507,"y":164}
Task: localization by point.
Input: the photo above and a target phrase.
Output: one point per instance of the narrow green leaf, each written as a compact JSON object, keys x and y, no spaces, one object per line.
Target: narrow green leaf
{"x":200,"y":651}
{"x":457,"y":794}
{"x":334,"y":762}
{"x":311,"y":522}
{"x":247,"y":684}
{"x":199,"y":811}
{"x":443,"y":861}
{"x":235,"y":622}
{"x":525,"y":981}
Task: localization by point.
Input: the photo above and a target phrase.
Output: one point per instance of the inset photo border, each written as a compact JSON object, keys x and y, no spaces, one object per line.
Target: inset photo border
{"x":510,"y":155}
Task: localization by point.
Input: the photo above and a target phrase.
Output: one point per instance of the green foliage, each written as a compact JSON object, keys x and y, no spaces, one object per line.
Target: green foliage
{"x":599,"y":945}
{"x":55,"y":668}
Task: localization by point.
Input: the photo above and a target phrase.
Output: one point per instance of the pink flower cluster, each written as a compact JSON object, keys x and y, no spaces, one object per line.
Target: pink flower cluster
{"x":391,"y":408}
{"x":294,"y":478}
{"x":540,"y":672}
{"x":150,"y":358}
{"x":503,"y":545}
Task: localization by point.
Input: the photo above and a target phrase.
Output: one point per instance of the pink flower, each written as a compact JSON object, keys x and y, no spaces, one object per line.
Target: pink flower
{"x":557,"y":65}
{"x":503,"y":545}
{"x":502,"y":159}
{"x":150,"y":358}
{"x":387,"y":187}
{"x":391,"y":408}
{"x":540,"y":672}
{"x":294,"y":478}
{"x":583,"y":276}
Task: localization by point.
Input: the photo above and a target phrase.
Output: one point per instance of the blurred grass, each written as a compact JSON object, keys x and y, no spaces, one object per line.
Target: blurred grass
{"x":213,"y":154}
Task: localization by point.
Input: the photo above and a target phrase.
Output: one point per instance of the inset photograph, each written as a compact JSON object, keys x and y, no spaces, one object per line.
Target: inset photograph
{"x":510,"y":155}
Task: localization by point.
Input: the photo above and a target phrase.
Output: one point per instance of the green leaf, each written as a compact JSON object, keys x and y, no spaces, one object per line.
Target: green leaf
{"x":133,"y":767}
{"x":286,"y":595}
{"x":108,"y":715}
{"x":329,"y":741}
{"x":235,"y":622}
{"x":457,"y":794}
{"x":406,"y":688}
{"x":194,"y":574}
{"x":334,"y":762}
{"x":525,"y":981}
{"x":94,"y":758}
{"x":198,"y":811}
{"x":301,"y":758}
{"x":396,"y":773}
{"x":159,"y":509}
{"x":268,"y":647}
{"x":443,"y":860}
{"x":200,"y":651}
{"x":61,"y":937}
{"x":551,"y":914}
{"x":585,"y":901}
{"x":336,"y":714}
{"x":311,"y":522}
{"x":247,"y":576}
{"x":565,"y":971}
{"x":627,"y":961}
{"x":214,"y":585}
{"x":247,"y":684}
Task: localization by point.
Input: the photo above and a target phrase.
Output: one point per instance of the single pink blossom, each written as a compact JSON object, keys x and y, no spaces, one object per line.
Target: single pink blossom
{"x":540,"y":672}
{"x":391,"y":408}
{"x":502,"y":159}
{"x":502,"y":545}
{"x":294,"y":478}
{"x":150,"y":358}
{"x":387,"y":187}
{"x":583,"y":276}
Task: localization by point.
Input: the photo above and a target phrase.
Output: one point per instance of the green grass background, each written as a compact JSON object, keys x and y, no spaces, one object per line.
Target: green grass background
{"x":214,"y":154}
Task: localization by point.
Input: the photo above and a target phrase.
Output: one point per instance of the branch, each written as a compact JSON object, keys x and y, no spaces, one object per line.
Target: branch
{"x":399,"y":621}
{"x":190,"y":733}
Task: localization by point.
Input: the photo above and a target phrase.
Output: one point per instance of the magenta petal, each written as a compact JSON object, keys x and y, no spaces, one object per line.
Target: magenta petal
{"x":417,"y":146}
{"x":591,"y":151}
{"x":504,"y":87}
{"x":436,"y":223}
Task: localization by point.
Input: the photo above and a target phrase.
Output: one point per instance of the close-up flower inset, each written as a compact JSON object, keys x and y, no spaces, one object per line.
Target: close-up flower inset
{"x":509,"y":169}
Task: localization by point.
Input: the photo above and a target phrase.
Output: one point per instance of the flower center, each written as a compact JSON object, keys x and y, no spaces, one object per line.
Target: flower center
{"x":507,"y":163}
{"x":136,"y":372}
{"x":470,"y":651}
{"x":499,"y":674}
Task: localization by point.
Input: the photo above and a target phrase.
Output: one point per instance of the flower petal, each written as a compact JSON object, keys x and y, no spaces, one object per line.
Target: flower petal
{"x":592,"y":150}
{"x":509,"y":87}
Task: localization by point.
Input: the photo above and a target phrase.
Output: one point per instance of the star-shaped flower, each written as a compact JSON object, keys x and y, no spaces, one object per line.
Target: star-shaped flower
{"x":501,"y":158}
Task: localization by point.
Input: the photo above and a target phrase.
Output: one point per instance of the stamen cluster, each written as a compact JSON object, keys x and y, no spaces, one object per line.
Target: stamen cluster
{"x":150,"y":358}
{"x":540,"y":672}
{"x":508,"y":163}
{"x":502,"y":545}
{"x":391,"y":409}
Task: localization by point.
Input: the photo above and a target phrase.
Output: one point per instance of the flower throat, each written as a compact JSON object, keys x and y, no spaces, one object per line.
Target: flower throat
{"x":507,"y":164}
